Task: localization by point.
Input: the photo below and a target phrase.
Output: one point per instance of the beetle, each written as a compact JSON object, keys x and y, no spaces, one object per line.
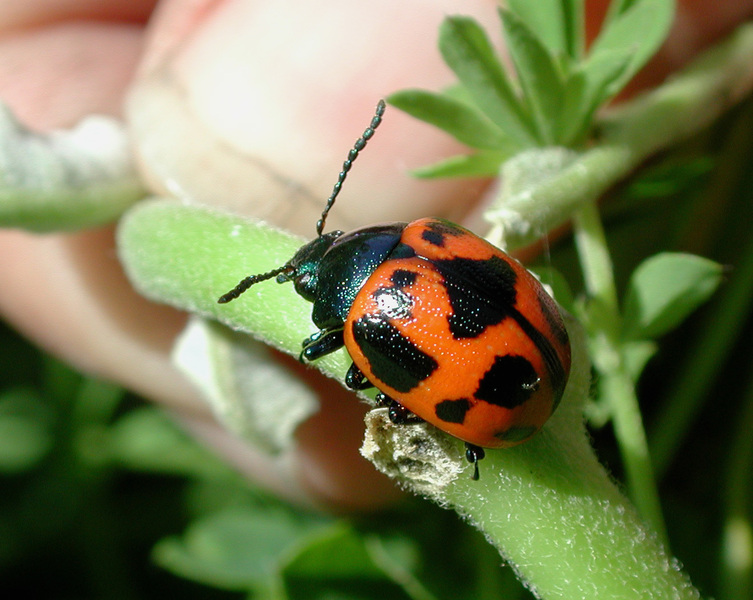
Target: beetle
{"x":449,"y":328}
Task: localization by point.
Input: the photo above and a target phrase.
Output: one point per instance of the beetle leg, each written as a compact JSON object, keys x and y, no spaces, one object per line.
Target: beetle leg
{"x":474,"y":454}
{"x":399,"y":415}
{"x":323,"y":342}
{"x":355,"y":379}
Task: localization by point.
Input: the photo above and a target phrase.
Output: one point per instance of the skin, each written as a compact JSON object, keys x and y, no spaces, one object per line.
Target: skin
{"x":285,"y":89}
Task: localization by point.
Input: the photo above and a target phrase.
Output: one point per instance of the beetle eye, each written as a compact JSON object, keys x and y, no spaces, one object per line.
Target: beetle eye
{"x":305,"y":285}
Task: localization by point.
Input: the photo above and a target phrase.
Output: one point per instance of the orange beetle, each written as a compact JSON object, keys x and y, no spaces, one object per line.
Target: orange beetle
{"x":446,"y":326}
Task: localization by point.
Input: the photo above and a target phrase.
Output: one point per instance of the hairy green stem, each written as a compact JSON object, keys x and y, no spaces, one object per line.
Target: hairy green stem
{"x":548,"y":505}
{"x":617,"y":387}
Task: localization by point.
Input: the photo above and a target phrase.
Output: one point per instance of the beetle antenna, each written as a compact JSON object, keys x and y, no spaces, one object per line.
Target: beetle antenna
{"x":246,"y":283}
{"x":352,"y":155}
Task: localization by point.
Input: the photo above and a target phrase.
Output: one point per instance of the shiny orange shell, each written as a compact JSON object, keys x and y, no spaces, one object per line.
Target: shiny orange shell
{"x":462,"y":335}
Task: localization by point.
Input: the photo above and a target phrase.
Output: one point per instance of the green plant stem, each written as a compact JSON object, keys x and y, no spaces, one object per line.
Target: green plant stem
{"x":736,"y":569}
{"x":616,"y":384}
{"x":548,"y":505}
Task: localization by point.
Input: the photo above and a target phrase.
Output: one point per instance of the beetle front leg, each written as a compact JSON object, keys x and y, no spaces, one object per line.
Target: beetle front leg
{"x":321,"y":343}
{"x":398,"y":414}
{"x":356,"y":380}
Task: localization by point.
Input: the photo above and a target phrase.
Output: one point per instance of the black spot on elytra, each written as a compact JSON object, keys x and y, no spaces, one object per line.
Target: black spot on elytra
{"x":437,"y":231}
{"x":554,"y":366}
{"x":481,"y":293}
{"x":508,"y":383}
{"x":392,"y":357}
{"x":452,"y":411}
{"x":402,"y":278}
{"x":445,"y":228}
{"x":435,"y":238}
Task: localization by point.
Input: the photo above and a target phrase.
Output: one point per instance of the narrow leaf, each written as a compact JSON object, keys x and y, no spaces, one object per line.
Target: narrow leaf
{"x":480,"y":164}
{"x":463,"y":122}
{"x":558,"y":23}
{"x":574,"y":121}
{"x":538,"y":74}
{"x":664,"y":290}
{"x":638,"y":32}
{"x":587,"y":88}
{"x":575,"y":26}
{"x":467,"y":50}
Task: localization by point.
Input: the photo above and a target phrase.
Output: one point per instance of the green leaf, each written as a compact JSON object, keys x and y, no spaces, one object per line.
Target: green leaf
{"x":461,"y":121}
{"x":635,"y":34}
{"x":636,"y":354}
{"x":586,"y":89}
{"x":342,"y":554}
{"x":23,"y":443}
{"x":538,"y":75}
{"x":480,"y":164}
{"x":337,"y":553}
{"x":664,"y":290}
{"x":65,"y":180}
{"x":574,"y":112}
{"x":558,"y":23}
{"x":233,"y":549}
{"x":146,"y":439}
{"x":26,"y":432}
{"x":467,"y":50}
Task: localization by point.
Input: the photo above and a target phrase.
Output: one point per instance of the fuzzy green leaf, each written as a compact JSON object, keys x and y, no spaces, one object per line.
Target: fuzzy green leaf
{"x":467,"y":50}
{"x":664,"y":290}
{"x":586,"y":89}
{"x":337,"y":552}
{"x":463,"y":122}
{"x":538,"y":75}
{"x":235,"y":549}
{"x":558,"y":23}
{"x":146,"y":439}
{"x":65,"y":180}
{"x":635,"y":34}
{"x":636,"y":355}
{"x":480,"y":164}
